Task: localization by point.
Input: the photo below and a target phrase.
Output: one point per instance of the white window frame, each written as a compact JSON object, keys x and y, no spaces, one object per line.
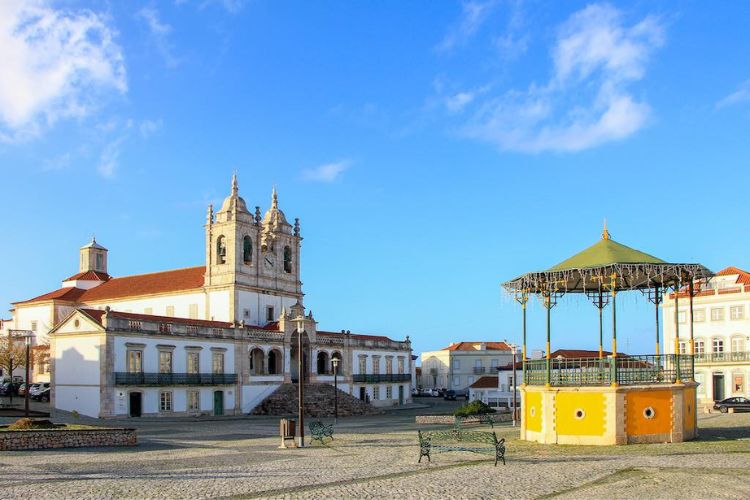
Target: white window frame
{"x":194,"y":400}
{"x":189,"y":368}
{"x":736,"y":313}
{"x":699,"y":315}
{"x":376,"y":393}
{"x":170,"y":355}
{"x":388,"y":392}
{"x":717,"y":314}
{"x":165,"y":401}
{"x":717,"y":345}
{"x":682,"y":317}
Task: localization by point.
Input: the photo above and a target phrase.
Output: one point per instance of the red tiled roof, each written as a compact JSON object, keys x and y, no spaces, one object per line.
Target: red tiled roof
{"x":128,"y":286}
{"x":68,"y":293}
{"x":89,"y":276}
{"x":743,"y":278}
{"x":97,"y":314}
{"x":356,"y":335}
{"x":486,"y":382}
{"x":147,"y":284}
{"x":475,"y":346}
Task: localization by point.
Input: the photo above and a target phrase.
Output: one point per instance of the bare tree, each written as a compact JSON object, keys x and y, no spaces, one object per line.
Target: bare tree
{"x":12,"y":354}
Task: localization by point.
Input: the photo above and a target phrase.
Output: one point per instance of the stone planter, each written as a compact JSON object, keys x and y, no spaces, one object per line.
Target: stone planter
{"x":41,"y":439}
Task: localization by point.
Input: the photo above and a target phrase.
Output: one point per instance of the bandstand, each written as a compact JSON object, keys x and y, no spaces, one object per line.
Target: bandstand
{"x":612,"y":398}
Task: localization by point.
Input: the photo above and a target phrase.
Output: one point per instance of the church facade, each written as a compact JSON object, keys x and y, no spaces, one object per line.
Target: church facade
{"x":216,"y":338}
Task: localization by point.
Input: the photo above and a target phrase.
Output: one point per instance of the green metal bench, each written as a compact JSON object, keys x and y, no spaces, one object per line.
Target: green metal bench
{"x":320,"y":431}
{"x":457,"y":440}
{"x":482,"y":419}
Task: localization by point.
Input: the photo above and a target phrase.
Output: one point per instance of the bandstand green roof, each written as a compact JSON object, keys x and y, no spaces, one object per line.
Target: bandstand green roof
{"x":602,"y":264}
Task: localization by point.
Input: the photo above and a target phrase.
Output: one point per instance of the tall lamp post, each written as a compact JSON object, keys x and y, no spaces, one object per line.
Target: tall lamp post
{"x":27,"y":335}
{"x":515,"y":410}
{"x":335,"y":362}
{"x":300,"y":381}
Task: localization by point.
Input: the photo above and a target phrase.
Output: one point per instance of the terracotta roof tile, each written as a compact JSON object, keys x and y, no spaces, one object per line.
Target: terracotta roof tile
{"x":147,"y":284}
{"x":486,"y":382}
{"x":97,"y":314}
{"x":89,"y":276}
{"x":69,"y":293}
{"x":743,"y":278}
{"x":475,"y":346}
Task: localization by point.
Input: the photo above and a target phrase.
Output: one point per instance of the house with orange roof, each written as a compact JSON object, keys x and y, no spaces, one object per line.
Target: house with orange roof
{"x":218,"y":338}
{"x":721,"y":333}
{"x":460,"y":364}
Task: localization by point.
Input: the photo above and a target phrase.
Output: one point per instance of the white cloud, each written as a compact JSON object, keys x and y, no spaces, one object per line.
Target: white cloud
{"x":150,"y":127}
{"x":110,"y":158}
{"x":56,"y":63}
{"x":742,"y":94}
{"x":473,"y":16}
{"x":160,"y":32}
{"x":329,"y":172}
{"x":586,"y":102}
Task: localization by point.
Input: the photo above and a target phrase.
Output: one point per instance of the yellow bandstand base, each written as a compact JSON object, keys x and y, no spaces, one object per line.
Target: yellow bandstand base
{"x":663,"y":413}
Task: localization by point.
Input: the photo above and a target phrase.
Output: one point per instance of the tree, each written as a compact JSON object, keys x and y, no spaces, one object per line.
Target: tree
{"x":15,"y":351}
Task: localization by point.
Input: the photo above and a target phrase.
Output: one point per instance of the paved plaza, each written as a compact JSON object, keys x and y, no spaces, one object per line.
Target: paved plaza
{"x":376,"y":457}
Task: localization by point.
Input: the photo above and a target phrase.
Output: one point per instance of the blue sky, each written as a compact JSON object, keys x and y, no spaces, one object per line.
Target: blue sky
{"x":431,"y":150}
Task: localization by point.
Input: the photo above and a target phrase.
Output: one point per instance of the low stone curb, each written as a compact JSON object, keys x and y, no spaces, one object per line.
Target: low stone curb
{"x":450,"y":419}
{"x":40,"y":439}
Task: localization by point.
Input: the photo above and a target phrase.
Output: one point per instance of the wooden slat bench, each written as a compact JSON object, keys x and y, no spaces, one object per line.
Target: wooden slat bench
{"x":458,"y":440}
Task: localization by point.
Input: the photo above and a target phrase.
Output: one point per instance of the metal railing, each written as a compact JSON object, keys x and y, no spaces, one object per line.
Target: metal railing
{"x":161,"y":379}
{"x":625,"y":370}
{"x":374,"y":379}
{"x":478,"y":370}
{"x":722,"y":357}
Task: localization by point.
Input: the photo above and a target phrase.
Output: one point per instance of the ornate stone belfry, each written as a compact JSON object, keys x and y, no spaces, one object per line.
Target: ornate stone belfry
{"x":280,"y":249}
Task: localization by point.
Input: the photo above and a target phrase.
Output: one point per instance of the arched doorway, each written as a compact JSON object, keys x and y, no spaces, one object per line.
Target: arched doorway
{"x":274,"y":362}
{"x":256,"y":362}
{"x":295,"y":356}
{"x":322,"y":364}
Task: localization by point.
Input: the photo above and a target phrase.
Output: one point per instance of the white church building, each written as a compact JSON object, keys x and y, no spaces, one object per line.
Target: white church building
{"x":213,"y":339}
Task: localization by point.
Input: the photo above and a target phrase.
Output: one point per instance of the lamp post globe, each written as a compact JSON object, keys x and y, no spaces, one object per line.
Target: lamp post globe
{"x":335,"y":362}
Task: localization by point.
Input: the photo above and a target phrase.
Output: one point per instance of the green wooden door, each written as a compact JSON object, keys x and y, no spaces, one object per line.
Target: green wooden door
{"x":218,"y":403}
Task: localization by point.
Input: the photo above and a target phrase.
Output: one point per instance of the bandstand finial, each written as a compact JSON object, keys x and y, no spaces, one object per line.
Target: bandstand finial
{"x":605,"y":233}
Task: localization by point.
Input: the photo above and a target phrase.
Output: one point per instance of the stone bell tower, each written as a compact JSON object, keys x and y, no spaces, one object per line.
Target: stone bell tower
{"x":280,"y":252}
{"x":93,"y":257}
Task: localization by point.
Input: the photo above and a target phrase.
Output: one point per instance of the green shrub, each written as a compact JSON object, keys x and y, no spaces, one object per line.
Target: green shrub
{"x":476,"y":407}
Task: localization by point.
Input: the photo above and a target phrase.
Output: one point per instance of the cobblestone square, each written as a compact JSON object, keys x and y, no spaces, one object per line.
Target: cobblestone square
{"x":376,"y":457}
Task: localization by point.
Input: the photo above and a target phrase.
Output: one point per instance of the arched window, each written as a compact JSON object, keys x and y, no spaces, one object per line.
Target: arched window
{"x":247,"y":250}
{"x":323,"y":363}
{"x":273,"y":362}
{"x":287,"y":259}
{"x":221,"y":250}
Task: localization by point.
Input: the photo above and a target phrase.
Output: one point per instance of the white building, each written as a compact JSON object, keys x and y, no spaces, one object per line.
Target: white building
{"x":462,"y":363}
{"x":721,"y":322}
{"x":497,"y":390}
{"x":161,"y":342}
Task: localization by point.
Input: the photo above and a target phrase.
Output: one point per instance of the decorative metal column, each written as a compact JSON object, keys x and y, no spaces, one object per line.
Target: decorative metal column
{"x":335,"y":362}
{"x":522,"y":298}
{"x":300,"y":383}
{"x":548,"y":306}
{"x":678,"y":375}
{"x":613,"y":370}
{"x":691,"y":292}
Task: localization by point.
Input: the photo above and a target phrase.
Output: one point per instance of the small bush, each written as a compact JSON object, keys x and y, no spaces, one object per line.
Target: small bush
{"x":476,"y":407}
{"x":75,"y":414}
{"x":21,"y":424}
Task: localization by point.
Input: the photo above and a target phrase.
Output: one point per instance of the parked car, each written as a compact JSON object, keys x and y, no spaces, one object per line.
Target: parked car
{"x":449,"y":395}
{"x":435,"y":393}
{"x":9,"y":389}
{"x":42,"y":395}
{"x":21,"y":391}
{"x":37,"y":388}
{"x":738,"y":403}
{"x":34,"y":389}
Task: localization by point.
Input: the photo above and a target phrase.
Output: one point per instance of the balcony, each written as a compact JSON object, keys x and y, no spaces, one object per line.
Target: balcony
{"x":479,"y":370}
{"x":722,"y":357}
{"x":375,"y":379}
{"x":162,"y":379}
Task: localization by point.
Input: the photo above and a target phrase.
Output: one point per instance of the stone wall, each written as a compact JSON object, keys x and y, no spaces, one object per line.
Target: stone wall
{"x":61,"y":438}
{"x":450,"y":419}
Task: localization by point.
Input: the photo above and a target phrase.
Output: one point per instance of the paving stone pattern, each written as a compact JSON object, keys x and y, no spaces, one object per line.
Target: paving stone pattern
{"x":375,"y":457}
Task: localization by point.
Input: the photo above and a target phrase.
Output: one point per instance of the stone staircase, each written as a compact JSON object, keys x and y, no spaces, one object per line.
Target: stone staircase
{"x":318,"y":402}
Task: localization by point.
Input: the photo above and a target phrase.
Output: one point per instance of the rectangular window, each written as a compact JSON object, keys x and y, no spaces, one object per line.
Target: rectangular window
{"x":699,"y":315}
{"x":165,"y":401}
{"x":389,"y":392}
{"x":737,"y":312}
{"x":193,"y":311}
{"x":700,"y":378}
{"x":718,"y":345}
{"x":270,"y":316}
{"x":218,"y":362}
{"x":700,"y":347}
{"x":376,"y":365}
{"x":376,"y":393}
{"x":682,"y":317}
{"x":456,"y":364}
{"x":477,"y":363}
{"x":246,"y":314}
{"x":99,"y":262}
{"x":738,"y":344}
{"x":33,"y":326}
{"x":456,"y":381}
{"x":683,"y":347}
{"x":738,"y":384}
{"x":717,"y":314}
{"x":193,"y":362}
{"x":362,"y":365}
{"x":148,"y":310}
{"x":494,"y":363}
{"x":388,"y":366}
{"x":470,"y":381}
{"x":135,"y":361}
{"x":194,"y":400}
{"x":400,"y":365}
{"x":170,"y":311}
{"x":165,"y":361}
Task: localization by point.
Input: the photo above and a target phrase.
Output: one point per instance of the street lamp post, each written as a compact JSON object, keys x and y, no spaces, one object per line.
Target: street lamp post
{"x":335,"y":362}
{"x":515,"y":410}
{"x":300,"y":382}
{"x":27,"y":335}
